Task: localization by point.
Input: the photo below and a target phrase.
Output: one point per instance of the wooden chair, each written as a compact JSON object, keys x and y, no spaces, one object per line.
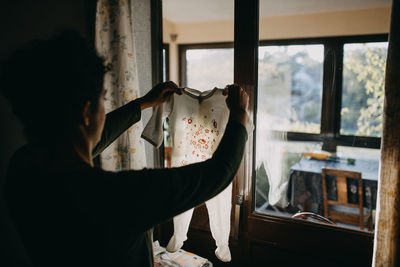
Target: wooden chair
{"x":342,"y":199}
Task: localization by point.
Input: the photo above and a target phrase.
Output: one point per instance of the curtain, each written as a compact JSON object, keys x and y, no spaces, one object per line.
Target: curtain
{"x":270,"y":161}
{"x":114,"y":42}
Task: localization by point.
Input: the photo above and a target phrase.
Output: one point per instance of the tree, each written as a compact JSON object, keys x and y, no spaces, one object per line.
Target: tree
{"x":363,"y":91}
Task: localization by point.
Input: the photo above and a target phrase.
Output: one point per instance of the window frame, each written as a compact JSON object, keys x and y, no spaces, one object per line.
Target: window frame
{"x":331,"y":100}
{"x":329,"y":136}
{"x":331,"y":103}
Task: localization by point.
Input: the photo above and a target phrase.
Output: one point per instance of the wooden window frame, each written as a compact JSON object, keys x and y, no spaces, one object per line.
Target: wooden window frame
{"x":254,"y":223}
{"x":329,"y":135}
{"x":332,"y":100}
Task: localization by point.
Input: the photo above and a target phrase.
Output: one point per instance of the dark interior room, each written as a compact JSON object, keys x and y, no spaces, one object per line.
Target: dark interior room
{"x":200,"y":133}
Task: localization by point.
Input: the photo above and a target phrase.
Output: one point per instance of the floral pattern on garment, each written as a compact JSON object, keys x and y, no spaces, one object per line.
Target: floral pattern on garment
{"x":114,"y":42}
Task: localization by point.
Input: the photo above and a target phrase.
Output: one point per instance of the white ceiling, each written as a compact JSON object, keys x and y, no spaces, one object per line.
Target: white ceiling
{"x":183,"y":11}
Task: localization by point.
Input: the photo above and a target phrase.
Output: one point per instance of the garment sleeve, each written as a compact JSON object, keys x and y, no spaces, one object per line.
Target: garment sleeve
{"x":153,"y":132}
{"x":117,"y":122}
{"x":140,"y":199}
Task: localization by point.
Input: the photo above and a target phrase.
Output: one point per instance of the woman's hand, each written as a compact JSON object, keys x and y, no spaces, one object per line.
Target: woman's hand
{"x":158,"y":94}
{"x":237,"y":102}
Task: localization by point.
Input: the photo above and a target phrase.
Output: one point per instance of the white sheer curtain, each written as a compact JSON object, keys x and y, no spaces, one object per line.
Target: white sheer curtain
{"x":270,"y":154}
{"x":114,"y":42}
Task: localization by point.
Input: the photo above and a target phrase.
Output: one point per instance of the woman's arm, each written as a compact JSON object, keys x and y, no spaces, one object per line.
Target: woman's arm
{"x":141,"y":199}
{"x":137,"y":200}
{"x":119,"y":120}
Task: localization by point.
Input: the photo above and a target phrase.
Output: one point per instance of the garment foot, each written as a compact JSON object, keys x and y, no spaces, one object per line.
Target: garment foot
{"x":223,"y":253}
{"x":174,"y":245}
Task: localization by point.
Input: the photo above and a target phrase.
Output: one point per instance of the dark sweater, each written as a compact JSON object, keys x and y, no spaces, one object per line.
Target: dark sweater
{"x":70,"y":214}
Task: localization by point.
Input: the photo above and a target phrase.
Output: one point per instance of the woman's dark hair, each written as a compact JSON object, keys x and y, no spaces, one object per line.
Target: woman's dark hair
{"x":49,"y":81}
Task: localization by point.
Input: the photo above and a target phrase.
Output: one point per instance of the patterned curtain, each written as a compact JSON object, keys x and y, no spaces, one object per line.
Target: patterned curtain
{"x":114,"y":42}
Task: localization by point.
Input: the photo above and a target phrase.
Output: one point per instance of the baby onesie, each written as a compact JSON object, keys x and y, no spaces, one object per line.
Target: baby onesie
{"x":197,"y":124}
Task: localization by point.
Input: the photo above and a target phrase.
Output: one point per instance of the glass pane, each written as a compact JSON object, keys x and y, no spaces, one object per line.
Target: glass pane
{"x":363,"y":88}
{"x":209,"y":68}
{"x":289,"y":104}
{"x":288,"y":99}
{"x":288,"y":179}
{"x":273,"y":169}
{"x":187,"y":25}
{"x":290,"y":87}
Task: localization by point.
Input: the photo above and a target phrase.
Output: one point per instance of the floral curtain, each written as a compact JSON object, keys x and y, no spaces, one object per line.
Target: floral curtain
{"x":114,"y":42}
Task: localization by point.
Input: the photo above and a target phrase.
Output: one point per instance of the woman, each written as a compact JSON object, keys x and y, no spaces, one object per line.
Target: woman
{"x":70,"y":213}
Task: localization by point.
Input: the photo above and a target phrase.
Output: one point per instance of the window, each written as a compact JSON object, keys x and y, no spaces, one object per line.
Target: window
{"x":320,"y":96}
{"x":291,"y":80}
{"x":204,"y":67}
{"x":363,"y":83}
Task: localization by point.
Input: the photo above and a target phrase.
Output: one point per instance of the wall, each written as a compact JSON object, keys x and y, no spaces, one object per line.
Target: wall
{"x":168,"y":29}
{"x":355,"y":22}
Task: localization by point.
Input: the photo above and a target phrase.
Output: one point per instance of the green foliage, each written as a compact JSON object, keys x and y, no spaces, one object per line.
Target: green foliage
{"x":363,"y":91}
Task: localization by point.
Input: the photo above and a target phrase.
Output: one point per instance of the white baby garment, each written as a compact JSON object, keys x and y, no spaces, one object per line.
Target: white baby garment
{"x":197,"y":124}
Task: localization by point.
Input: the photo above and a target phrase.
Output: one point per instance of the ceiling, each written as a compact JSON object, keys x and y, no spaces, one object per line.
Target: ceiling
{"x":186,"y":11}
